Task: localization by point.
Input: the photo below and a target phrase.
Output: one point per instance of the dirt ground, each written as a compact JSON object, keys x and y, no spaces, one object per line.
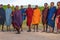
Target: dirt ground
{"x":29,"y":36}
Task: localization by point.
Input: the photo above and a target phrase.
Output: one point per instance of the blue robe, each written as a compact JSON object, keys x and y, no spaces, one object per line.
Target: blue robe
{"x":23,"y":12}
{"x":51,"y":12}
{"x":8,"y":16}
{"x":2,"y":15}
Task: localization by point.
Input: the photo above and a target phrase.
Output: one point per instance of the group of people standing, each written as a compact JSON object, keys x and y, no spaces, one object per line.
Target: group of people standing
{"x":32,"y":15}
{"x":50,"y":16}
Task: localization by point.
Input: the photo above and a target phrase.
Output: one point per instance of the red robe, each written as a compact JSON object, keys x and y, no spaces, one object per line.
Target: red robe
{"x":29,"y":13}
{"x":57,"y":14}
{"x":13,"y":18}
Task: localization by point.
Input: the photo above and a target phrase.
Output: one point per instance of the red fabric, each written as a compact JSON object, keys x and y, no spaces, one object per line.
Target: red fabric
{"x":13,"y":18}
{"x":29,"y":13}
{"x":58,"y":26}
{"x":13,"y":13}
{"x":57,"y":14}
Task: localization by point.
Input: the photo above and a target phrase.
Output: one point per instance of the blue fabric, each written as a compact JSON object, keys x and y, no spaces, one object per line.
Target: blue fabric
{"x":51,"y":12}
{"x":8,"y":16}
{"x":23,"y":12}
{"x":2,"y":14}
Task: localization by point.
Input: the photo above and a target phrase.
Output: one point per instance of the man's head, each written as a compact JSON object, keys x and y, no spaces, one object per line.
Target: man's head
{"x":8,"y":5}
{"x":29,"y":6}
{"x":1,"y":5}
{"x":17,"y":7}
{"x":58,"y":4}
{"x":52,"y":4}
{"x":45,"y":5}
{"x":21,"y":6}
{"x":36,"y":6}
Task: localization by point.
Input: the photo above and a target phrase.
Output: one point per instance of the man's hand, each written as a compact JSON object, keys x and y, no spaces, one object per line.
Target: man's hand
{"x":11,"y":15}
{"x":52,"y":18}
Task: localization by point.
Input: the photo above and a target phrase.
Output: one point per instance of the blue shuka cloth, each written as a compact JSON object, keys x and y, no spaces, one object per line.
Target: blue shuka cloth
{"x":8,"y":16}
{"x":51,"y":12}
{"x":2,"y":15}
{"x":23,"y":12}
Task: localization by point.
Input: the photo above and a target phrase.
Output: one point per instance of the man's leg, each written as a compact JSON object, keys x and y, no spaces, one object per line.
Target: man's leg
{"x":29,"y":29}
{"x":18,"y":31}
{"x":43,"y":28}
{"x":46,"y":27}
{"x":7,"y":28}
{"x":13,"y":24}
{"x":2,"y":27}
{"x":21,"y":28}
{"x":36,"y":27}
{"x":51,"y":29}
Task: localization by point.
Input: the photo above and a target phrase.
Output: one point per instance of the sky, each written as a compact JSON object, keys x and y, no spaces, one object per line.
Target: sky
{"x":26,"y":2}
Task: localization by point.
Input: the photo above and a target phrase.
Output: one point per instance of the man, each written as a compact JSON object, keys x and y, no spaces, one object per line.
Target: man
{"x":51,"y":17}
{"x":36,"y":18}
{"x":23,"y":14}
{"x":8,"y":16}
{"x":12,"y":14}
{"x":44,"y":17}
{"x":17,"y":19}
{"x":2,"y":16}
{"x":29,"y":14}
{"x":58,"y":17}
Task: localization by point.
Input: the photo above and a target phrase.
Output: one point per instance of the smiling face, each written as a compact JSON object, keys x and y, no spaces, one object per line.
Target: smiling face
{"x":52,"y":4}
{"x":45,"y":5}
{"x":58,"y":4}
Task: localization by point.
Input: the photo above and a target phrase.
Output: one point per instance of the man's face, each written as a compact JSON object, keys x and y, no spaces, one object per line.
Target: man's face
{"x":21,"y":7}
{"x":45,"y":5}
{"x":58,"y":4}
{"x":1,"y":6}
{"x":17,"y":7}
{"x":36,"y":6}
{"x":51,"y":4}
{"x":29,"y":6}
{"x":8,"y":5}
